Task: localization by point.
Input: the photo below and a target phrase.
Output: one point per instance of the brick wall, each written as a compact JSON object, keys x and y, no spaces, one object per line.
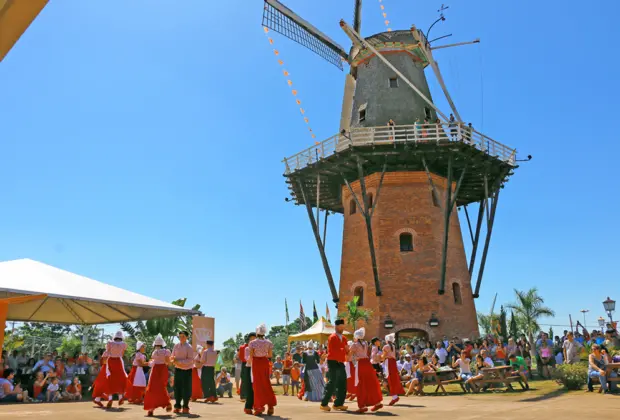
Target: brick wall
{"x":409,"y":280}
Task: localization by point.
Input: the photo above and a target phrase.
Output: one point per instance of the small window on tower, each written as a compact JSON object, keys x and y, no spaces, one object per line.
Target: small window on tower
{"x":456,"y":290}
{"x":369,"y":201}
{"x":393,"y":82}
{"x":352,"y":206}
{"x":427,"y":113}
{"x":406,"y":242}
{"x":359,"y":294}
{"x":362,"y":115}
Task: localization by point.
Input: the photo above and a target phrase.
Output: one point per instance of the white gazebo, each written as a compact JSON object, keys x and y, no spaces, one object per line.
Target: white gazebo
{"x":32,"y":291}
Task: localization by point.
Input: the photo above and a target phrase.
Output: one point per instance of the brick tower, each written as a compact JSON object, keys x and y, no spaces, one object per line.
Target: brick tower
{"x":398,"y":182}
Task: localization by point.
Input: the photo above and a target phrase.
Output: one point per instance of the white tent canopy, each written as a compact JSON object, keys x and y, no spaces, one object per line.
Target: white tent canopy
{"x":74,"y":299}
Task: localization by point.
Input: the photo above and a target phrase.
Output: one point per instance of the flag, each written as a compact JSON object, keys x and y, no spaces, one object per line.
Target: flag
{"x":315,"y":315}
{"x":302,"y":318}
{"x":327,"y":315}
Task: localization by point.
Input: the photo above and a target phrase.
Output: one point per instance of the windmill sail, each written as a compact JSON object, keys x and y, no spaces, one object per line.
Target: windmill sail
{"x":283,"y":20}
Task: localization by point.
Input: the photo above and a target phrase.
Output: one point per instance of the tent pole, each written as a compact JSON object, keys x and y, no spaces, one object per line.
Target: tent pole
{"x":4,"y":311}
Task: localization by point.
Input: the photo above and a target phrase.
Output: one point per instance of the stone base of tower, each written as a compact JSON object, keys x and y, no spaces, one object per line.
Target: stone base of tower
{"x":408,"y":232}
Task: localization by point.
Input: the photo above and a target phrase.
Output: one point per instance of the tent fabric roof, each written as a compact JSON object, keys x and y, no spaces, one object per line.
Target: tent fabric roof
{"x":74,"y":299}
{"x":320,"y":331}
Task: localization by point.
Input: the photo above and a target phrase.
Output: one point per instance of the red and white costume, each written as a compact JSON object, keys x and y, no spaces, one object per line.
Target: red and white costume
{"x":367,"y":385}
{"x":391,"y":369}
{"x":156,"y":395}
{"x":115,"y":368}
{"x":136,"y":383}
{"x":261,"y":382}
{"x":350,"y":369}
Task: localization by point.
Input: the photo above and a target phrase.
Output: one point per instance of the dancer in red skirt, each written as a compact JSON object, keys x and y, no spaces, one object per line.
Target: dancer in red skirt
{"x":156,"y":395}
{"x":261,"y":350}
{"x":368,"y":388}
{"x":100,"y":386}
{"x":196,"y":372}
{"x":391,"y":372}
{"x":136,"y":383}
{"x":350,"y":368}
{"x":117,"y":377}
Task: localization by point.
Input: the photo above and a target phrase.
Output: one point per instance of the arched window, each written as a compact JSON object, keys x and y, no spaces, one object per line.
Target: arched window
{"x":352,"y":206}
{"x":406,"y":242}
{"x":369,"y":201}
{"x":359,"y":293}
{"x":456,"y":291}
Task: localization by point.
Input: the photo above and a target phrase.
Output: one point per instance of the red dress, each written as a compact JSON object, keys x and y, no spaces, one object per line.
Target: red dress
{"x":196,"y":386}
{"x":368,"y":387}
{"x":100,"y":386}
{"x":261,"y":382}
{"x":117,"y":378}
{"x":396,"y":388}
{"x":156,"y":395}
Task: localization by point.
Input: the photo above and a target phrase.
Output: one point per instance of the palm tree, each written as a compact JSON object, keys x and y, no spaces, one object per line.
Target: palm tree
{"x":528,"y":308}
{"x":484,"y":322}
{"x":354,"y":313}
{"x":168,"y":327}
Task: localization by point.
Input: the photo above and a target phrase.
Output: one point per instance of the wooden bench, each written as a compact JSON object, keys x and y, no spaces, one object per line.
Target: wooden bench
{"x":440,"y":378}
{"x":609,"y":369}
{"x":499,"y":375}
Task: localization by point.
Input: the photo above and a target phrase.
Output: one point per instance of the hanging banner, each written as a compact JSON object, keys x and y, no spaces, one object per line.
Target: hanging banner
{"x":203,"y":330}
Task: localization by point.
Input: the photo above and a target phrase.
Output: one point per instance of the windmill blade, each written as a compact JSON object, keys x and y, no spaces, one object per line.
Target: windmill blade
{"x":357,"y":16}
{"x":283,"y":20}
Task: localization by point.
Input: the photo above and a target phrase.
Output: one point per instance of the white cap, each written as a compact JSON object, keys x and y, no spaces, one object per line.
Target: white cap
{"x":390,"y":338}
{"x":159,"y":341}
{"x":350,"y":342}
{"x":310,"y":344}
{"x":199,"y":349}
{"x":139,"y":345}
{"x":119,"y":334}
{"x":261,"y":329}
{"x":359,"y":334}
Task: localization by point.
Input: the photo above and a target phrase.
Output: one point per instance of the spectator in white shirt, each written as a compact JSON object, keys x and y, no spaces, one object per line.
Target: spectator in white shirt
{"x":441,"y":353}
{"x":45,"y":364}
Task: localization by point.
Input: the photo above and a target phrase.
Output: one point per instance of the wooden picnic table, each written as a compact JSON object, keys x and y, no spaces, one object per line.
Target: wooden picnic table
{"x":441,"y":377}
{"x":498,"y":375}
{"x":610,"y":368}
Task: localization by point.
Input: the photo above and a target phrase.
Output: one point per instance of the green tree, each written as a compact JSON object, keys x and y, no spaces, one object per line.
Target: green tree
{"x":503,"y":327}
{"x":12,"y":340}
{"x":551,"y":332}
{"x":354,"y":313}
{"x":514,"y":331}
{"x":71,"y":345}
{"x":230,"y":348}
{"x":529,"y":307}
{"x":485,"y":323}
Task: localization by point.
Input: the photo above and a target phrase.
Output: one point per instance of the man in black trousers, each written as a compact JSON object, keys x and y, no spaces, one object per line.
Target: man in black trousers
{"x":207,"y":376}
{"x":246,"y":377}
{"x":337,"y":349}
{"x":183,"y":360}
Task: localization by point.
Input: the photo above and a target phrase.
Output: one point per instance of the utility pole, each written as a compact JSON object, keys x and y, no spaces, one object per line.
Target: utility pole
{"x":584,"y":312}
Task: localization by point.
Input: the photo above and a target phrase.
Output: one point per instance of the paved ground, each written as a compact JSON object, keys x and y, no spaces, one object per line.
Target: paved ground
{"x":459,"y":407}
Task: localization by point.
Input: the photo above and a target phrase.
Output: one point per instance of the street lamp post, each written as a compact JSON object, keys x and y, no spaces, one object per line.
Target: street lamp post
{"x":610,"y":307}
{"x":584,"y":312}
{"x":601,"y":322}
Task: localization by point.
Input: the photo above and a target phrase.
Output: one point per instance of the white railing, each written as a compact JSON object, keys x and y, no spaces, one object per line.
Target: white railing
{"x":417,"y":133}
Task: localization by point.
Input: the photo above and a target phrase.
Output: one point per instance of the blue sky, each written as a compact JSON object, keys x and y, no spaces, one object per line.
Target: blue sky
{"x":142,"y":146}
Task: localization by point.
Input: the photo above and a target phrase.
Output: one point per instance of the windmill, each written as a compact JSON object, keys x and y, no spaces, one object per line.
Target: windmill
{"x":395,"y":143}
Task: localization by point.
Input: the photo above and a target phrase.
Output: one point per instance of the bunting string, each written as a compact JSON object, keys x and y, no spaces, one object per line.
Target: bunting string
{"x":289,"y":82}
{"x":384,"y":14}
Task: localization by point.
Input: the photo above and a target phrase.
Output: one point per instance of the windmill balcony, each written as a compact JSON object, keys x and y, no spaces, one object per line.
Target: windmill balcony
{"x":401,"y":134}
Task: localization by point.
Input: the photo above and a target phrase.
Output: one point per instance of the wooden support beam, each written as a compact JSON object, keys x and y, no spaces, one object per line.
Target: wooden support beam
{"x":317,"y":237}
{"x":476,"y":238}
{"x":446,"y":228}
{"x":487,"y":241}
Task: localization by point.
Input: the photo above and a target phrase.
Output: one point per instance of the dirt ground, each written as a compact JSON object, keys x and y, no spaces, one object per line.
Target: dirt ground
{"x":517,"y":405}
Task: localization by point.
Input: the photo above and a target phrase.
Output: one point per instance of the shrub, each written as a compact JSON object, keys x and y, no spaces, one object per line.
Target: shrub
{"x":572,"y":376}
